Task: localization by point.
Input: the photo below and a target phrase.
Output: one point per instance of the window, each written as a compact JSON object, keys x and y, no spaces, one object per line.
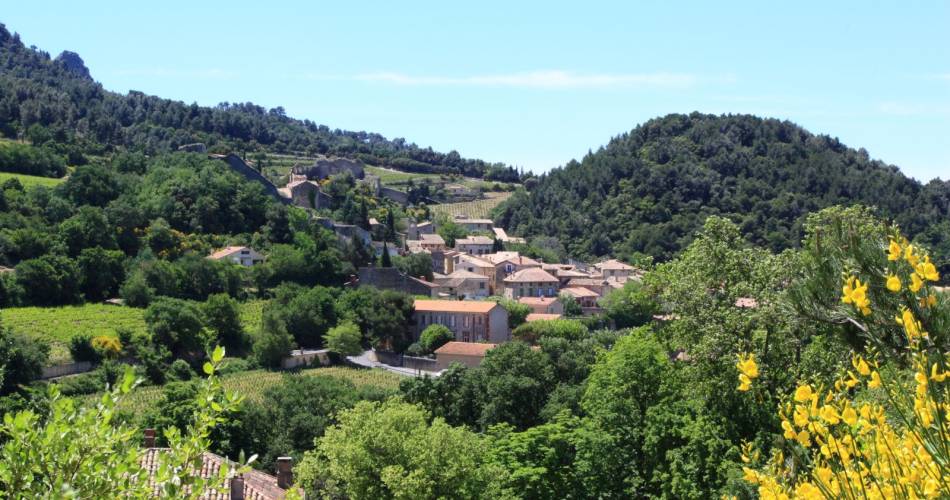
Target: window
{"x":481,"y":285}
{"x":551,"y":292}
{"x":465,"y":322}
{"x":479,"y":320}
{"x":452,"y":321}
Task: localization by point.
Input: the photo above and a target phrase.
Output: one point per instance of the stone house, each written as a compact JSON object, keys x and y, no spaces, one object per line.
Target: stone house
{"x":390,"y":278}
{"x":239,"y":255}
{"x":306,"y":194}
{"x":462,"y":284}
{"x":469,"y":320}
{"x":613,"y":268}
{"x":475,"y":225}
{"x":584,"y":296}
{"x":475,"y":245}
{"x":531,"y":282}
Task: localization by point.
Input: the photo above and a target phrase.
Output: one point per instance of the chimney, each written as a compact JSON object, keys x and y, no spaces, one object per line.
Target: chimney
{"x":285,"y":473}
{"x":236,"y":485}
{"x":149,"y":438}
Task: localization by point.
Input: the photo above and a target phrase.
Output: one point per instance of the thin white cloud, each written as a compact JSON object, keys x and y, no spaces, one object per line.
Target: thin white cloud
{"x":552,"y":79}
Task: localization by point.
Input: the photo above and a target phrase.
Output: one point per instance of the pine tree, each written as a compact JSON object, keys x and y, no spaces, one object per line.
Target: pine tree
{"x":386,"y":261}
{"x":390,"y":226}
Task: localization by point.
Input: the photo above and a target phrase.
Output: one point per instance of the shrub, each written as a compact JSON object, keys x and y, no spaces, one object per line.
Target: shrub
{"x":569,"y":329}
{"x":434,"y":337}
{"x":180,"y":370}
{"x":81,"y":349}
{"x":107,"y":347}
{"x":344,"y":339}
{"x":84,"y":383}
{"x":136,"y":292}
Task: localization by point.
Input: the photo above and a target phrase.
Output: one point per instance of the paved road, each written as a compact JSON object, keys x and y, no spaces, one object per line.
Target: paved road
{"x":366,"y":359}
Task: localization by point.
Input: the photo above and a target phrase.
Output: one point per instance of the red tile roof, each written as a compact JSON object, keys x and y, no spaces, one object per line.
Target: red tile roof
{"x":531,"y":275}
{"x":257,"y":485}
{"x":579,"y":292}
{"x":541,"y":317}
{"x":460,"y":306}
{"x":538,"y":301}
{"x":465,"y":349}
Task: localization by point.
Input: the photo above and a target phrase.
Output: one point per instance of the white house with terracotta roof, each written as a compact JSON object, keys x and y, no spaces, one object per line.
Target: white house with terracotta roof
{"x":613,"y":268}
{"x":244,"y":256}
{"x":475,"y":245}
{"x":599,"y":286}
{"x":469,"y":320}
{"x":531,"y":282}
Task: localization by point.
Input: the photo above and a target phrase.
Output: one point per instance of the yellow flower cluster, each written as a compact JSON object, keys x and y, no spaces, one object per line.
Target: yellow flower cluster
{"x":854,"y":450}
{"x":748,"y":371}
{"x":855,"y":292}
{"x":922,"y":269}
{"x":839,"y":447}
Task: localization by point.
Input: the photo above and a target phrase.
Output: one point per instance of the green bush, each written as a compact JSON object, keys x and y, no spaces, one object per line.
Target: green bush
{"x":81,"y":349}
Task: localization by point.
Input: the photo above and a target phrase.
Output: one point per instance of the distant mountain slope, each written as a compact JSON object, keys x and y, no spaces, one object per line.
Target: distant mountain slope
{"x":649,"y":190}
{"x":45,"y":99}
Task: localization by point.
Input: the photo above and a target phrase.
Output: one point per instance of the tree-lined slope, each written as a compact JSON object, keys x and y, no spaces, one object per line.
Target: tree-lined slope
{"x":649,"y":190}
{"x":56,"y":100}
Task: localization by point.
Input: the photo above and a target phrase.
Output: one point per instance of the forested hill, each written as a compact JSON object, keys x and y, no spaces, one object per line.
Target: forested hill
{"x":649,"y":190}
{"x":56,"y":100}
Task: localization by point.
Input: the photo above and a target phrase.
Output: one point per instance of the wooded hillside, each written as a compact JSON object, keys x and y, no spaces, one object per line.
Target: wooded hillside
{"x":649,"y":190}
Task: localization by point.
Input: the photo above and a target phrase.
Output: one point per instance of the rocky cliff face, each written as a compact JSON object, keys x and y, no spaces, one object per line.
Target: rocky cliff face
{"x":74,"y":64}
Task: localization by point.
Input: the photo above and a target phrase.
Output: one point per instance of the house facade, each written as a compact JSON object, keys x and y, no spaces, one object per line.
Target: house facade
{"x":462,"y":284}
{"x":531,"y":282}
{"x":615,"y":269}
{"x":476,"y":225}
{"x":469,"y":320}
{"x":475,"y":245}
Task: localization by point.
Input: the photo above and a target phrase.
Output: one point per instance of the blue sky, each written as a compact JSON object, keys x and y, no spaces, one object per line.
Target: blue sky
{"x":533,"y":84}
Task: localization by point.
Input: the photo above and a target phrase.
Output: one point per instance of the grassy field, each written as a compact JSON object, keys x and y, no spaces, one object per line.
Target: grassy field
{"x":478,"y":209}
{"x":395,"y":177}
{"x":57,"y":325}
{"x":29,"y":181}
{"x":252,"y":384}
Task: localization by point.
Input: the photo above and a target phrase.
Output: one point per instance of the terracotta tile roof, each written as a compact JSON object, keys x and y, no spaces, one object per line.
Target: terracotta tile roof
{"x":226,"y":251}
{"x":474,"y":240}
{"x":461,"y":306}
{"x":585,"y":282}
{"x":572,"y":273}
{"x":541,"y":317}
{"x":537,"y":301}
{"x":257,"y":485}
{"x":579,"y":292}
{"x":615,"y":265}
{"x":465,"y":348}
{"x":499,"y":257}
{"x":431,"y":238}
{"x":475,"y":261}
{"x":462,"y":273}
{"x":531,"y":275}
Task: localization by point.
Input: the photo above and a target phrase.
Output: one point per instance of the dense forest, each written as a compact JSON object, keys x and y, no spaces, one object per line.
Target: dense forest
{"x":56,"y":101}
{"x":649,"y":190}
